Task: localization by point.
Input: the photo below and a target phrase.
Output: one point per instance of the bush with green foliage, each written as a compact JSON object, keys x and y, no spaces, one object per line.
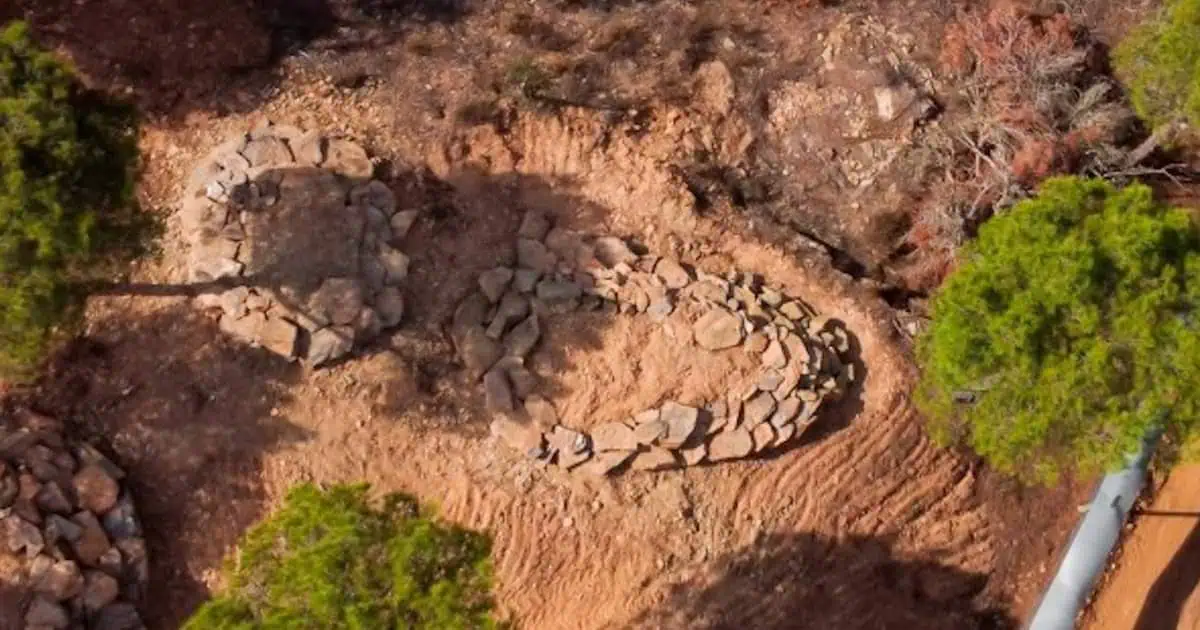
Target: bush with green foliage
{"x":330,"y":560}
{"x":1074,"y":321}
{"x":67,"y":159}
{"x":1160,"y":63}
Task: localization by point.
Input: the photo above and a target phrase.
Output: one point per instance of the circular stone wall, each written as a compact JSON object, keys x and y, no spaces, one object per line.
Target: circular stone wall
{"x":804,"y":358}
{"x":300,"y":243}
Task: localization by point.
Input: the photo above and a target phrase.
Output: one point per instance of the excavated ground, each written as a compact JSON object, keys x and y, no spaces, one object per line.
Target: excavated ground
{"x":862,"y":524}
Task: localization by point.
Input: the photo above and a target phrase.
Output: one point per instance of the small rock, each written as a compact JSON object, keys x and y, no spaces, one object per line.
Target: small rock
{"x":58,"y":528}
{"x":718,"y":329}
{"x":309,"y":149}
{"x":8,"y":485}
{"x":374,"y":194}
{"x":512,"y":308}
{"x":479,"y":352}
{"x":51,"y":498}
{"x":770,"y":297}
{"x":807,"y":395}
{"x":494,"y":282}
{"x":520,"y":436}
{"x":727,"y":445}
{"x":649,"y":432}
{"x":44,"y":613}
{"x":498,"y":392}
{"x":338,"y":300}
{"x":96,"y":490}
{"x":525,"y":280}
{"x":565,"y":442}
{"x":347,"y":158}
{"x":395,"y":263}
{"x":93,"y":542}
{"x":121,"y":521}
{"x":785,"y":412}
{"x":613,"y":436}
{"x":773,"y":357}
{"x":770,"y":380}
{"x":470,"y":313}
{"x":558,"y":292}
{"x":569,"y":246}
{"x":211,"y":269}
{"x":110,"y":561}
{"x":534,"y":226}
{"x":523,"y":337}
{"x":402,"y":222}
{"x":655,"y":459}
{"x":99,"y":590}
{"x":605,"y":463}
{"x":136,"y":560}
{"x":642,"y":417}
{"x":681,"y":424}
{"x":541,"y":412}
{"x":280,"y":336}
{"x":267,"y":151}
{"x":524,"y":383}
{"x":534,"y":255}
{"x":695,"y":455}
{"x":389,"y":303}
{"x":672,"y":273}
{"x":756,"y":410}
{"x":330,"y":344}
{"x":118,"y":616}
{"x":764,"y":437}
{"x":610,"y":251}
{"x":783,"y":434}
{"x":792,"y":311}
{"x":60,"y":581}
{"x":712,"y":290}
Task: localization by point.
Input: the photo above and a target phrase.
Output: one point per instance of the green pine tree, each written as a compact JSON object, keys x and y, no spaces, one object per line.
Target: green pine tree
{"x":1074,"y":319}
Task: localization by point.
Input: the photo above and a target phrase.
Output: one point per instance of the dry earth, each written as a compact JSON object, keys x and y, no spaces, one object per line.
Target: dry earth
{"x":865,"y":524}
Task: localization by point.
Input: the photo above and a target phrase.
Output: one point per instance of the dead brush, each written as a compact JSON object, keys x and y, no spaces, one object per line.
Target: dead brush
{"x":1035,"y":100}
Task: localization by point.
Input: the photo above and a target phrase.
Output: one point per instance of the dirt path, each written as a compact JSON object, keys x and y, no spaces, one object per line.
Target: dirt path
{"x":1154,"y":584}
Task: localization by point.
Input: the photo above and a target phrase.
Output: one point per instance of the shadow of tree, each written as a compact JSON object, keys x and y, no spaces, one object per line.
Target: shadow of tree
{"x":1167,"y":600}
{"x":188,"y":414}
{"x":793,"y":581}
{"x":175,"y":56}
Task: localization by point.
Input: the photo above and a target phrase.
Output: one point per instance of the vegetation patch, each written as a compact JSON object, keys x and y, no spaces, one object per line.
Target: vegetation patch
{"x":67,"y":159}
{"x":1160,"y":64}
{"x":329,"y":559}
{"x":1069,"y":328}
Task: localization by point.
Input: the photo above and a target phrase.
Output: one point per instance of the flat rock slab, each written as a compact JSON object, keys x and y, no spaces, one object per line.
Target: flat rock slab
{"x":718,"y":329}
{"x":681,"y":424}
{"x":764,"y":437}
{"x":613,"y":436}
{"x":727,"y":445}
{"x":650,"y":432}
{"x":672,"y":274}
{"x":607,"y":462}
{"x":521,"y":436}
{"x":655,"y":459}
{"x":571,"y":446}
{"x":756,"y":410}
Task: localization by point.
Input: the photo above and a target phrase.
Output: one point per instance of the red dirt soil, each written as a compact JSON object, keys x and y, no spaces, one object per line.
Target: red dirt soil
{"x":865,"y":524}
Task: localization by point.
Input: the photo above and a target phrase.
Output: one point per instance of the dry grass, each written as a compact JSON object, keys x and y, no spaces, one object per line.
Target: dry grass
{"x":1035,"y":100}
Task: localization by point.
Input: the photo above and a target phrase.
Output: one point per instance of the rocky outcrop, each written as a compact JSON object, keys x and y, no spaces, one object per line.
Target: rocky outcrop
{"x":306,"y":242}
{"x":69,"y":532}
{"x":804,"y":358}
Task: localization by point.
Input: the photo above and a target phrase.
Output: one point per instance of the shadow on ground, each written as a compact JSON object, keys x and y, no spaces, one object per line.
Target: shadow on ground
{"x":188,"y":414}
{"x":791,"y":581}
{"x":1167,"y":602}
{"x":175,"y":56}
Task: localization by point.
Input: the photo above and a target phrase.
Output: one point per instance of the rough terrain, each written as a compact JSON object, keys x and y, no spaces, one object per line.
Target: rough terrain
{"x":774,"y":139}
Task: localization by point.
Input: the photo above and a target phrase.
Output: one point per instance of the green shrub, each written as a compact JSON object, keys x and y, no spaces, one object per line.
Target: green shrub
{"x":329,"y":560}
{"x":1160,"y":63}
{"x":67,"y":160}
{"x":1073,"y":318}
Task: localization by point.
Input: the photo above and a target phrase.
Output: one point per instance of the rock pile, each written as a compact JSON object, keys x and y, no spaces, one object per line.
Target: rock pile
{"x":305,"y":240}
{"x":803,"y":357}
{"x":69,"y":528}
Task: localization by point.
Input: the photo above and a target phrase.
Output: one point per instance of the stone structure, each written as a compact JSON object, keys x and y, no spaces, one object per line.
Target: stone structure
{"x":803,"y":356}
{"x":69,"y":533}
{"x":305,"y":242}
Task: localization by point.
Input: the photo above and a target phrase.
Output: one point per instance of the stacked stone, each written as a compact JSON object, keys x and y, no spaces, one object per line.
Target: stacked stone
{"x":68,"y":522}
{"x":305,"y":239}
{"x":803,"y":356}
